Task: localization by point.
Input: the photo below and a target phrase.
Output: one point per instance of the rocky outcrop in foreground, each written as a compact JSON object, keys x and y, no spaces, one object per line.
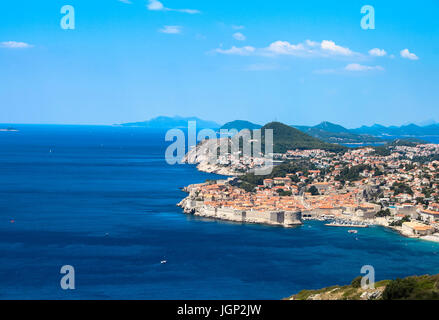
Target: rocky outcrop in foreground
{"x":412,"y":288}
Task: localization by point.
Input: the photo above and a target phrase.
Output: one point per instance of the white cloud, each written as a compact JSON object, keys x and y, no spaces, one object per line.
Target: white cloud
{"x":239,"y":36}
{"x":285,"y":48}
{"x":171,"y":29}
{"x":238,"y":27}
{"x":350,"y":68}
{"x":406,"y":54}
{"x":155,"y":5}
{"x":244,"y":51}
{"x":305,"y":49}
{"x":310,"y":43}
{"x":15,"y":45}
{"x":355,"y":67}
{"x":331,"y":47}
{"x":377,"y":52}
{"x":190,"y":11}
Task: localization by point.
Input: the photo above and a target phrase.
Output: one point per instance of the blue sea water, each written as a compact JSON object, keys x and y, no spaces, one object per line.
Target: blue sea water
{"x":102,"y":199}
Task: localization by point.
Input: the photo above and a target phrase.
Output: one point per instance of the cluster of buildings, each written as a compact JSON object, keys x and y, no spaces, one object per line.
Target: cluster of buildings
{"x":357,"y":185}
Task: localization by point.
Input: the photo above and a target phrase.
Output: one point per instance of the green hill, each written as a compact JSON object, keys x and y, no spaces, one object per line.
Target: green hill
{"x":240,"y":125}
{"x":289,"y":138}
{"x":331,"y":127}
{"x":411,"y":288}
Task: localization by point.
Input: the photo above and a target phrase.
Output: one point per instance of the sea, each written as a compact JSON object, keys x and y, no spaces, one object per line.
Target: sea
{"x":102,"y":200}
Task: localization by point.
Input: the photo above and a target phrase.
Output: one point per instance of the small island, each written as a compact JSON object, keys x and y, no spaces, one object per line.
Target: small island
{"x":9,"y":129}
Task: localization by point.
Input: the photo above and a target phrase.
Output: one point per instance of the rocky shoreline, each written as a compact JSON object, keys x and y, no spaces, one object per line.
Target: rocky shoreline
{"x":279,"y":218}
{"x":401,"y":232}
{"x":190,"y":205}
{"x":217,"y":169}
{"x":201,"y":155}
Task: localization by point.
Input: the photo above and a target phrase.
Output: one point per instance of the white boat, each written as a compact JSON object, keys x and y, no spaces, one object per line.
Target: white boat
{"x":353,"y":231}
{"x":163,"y":262}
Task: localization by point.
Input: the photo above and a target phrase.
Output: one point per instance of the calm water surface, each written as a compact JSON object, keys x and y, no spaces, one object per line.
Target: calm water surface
{"x":102,"y":199}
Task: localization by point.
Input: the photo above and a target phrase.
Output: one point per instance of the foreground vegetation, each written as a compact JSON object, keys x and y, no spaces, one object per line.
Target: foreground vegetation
{"x":411,"y":288}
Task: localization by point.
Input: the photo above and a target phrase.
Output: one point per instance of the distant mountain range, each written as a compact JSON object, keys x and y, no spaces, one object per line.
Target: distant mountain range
{"x":326,"y":135}
{"x":241,"y":125}
{"x":325,"y":131}
{"x":405,"y":130}
{"x":335,"y":133}
{"x":173,"y":122}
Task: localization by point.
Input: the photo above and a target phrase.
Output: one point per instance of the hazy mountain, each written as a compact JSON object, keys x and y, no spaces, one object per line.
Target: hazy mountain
{"x":428,"y":122}
{"x":173,"y":122}
{"x":405,"y":130}
{"x":334,"y":133}
{"x":241,"y":125}
{"x":326,"y":131}
{"x":331,"y":127}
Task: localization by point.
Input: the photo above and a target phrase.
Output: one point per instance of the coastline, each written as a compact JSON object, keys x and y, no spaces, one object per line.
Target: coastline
{"x":272,"y":218}
{"x":200,"y":157}
{"x":216,"y":169}
{"x":430,"y":238}
{"x":199,"y":210}
{"x":196,"y":208}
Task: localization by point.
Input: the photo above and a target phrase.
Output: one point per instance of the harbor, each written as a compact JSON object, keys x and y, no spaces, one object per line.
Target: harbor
{"x":347,"y":224}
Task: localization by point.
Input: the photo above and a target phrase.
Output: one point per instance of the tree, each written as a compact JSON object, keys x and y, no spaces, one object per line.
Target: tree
{"x":400,"y":222}
{"x":383,"y":213}
{"x":399,"y":289}
{"x":314,"y":191}
{"x":284,"y":193}
{"x":399,"y":187}
{"x":247,"y":187}
{"x":356,"y":283}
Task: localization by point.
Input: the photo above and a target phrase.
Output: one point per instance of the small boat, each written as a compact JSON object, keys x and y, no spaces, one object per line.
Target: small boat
{"x":353,"y":231}
{"x":163,"y":262}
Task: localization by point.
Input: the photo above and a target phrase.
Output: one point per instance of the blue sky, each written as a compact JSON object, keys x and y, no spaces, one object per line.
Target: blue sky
{"x":299,"y":62}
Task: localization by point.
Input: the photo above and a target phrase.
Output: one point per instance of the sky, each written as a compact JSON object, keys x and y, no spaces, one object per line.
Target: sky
{"x":298,"y":62}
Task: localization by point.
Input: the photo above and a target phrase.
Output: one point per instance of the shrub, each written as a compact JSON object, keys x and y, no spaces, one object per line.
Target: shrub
{"x":356,"y":283}
{"x":399,"y":289}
